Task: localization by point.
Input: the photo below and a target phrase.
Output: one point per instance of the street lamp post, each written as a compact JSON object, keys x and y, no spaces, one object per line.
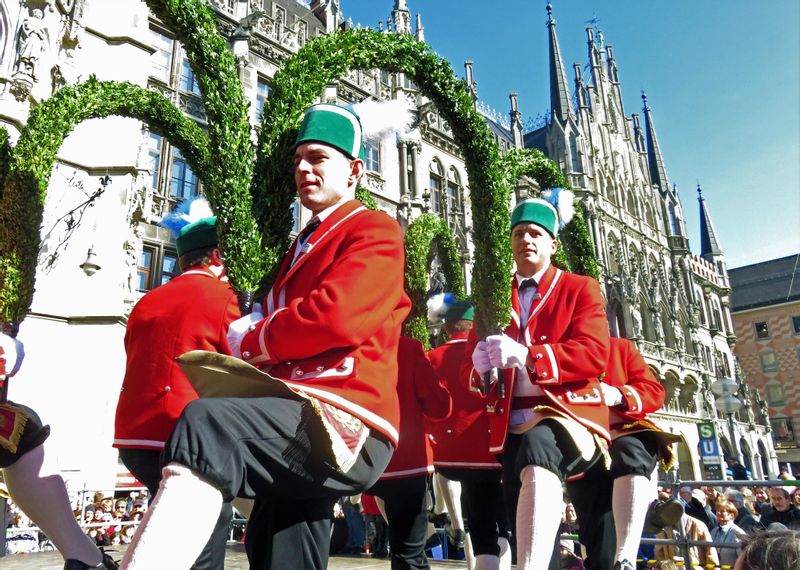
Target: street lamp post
{"x":728,"y":404}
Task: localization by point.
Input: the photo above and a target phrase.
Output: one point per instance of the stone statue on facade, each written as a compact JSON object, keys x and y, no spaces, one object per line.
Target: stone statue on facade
{"x":636,"y":322}
{"x":438,"y":283}
{"x":708,"y":399}
{"x":677,"y":332}
{"x":33,"y":39}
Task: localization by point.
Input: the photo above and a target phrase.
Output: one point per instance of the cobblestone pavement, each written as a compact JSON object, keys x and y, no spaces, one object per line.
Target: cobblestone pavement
{"x":234,"y":560}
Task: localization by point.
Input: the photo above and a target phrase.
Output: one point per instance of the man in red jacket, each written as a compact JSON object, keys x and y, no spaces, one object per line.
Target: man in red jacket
{"x":329,"y":334}
{"x":631,"y":392}
{"x":405,"y":484}
{"x":461,"y":448}
{"x":191,"y":312}
{"x":546,"y":413}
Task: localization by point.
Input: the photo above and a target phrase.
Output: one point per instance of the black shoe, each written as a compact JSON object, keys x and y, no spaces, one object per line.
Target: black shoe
{"x":662,"y":514}
{"x":624,"y":565}
{"x":107,"y":564}
{"x":457,"y":537}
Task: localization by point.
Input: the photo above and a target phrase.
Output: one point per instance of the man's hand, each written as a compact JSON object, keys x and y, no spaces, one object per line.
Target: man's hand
{"x":505,"y":352}
{"x":12,"y":352}
{"x":240,"y":327}
{"x":611,"y":396}
{"x":480,"y":358}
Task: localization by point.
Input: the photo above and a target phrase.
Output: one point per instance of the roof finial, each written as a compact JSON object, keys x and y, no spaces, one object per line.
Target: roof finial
{"x":549,"y":12}
{"x":644,"y":98}
{"x":699,"y":192}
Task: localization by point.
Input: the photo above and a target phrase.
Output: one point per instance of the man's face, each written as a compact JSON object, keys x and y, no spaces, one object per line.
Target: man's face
{"x":532,"y":247}
{"x":724,"y":517}
{"x":780,"y":502}
{"x":324,"y":176}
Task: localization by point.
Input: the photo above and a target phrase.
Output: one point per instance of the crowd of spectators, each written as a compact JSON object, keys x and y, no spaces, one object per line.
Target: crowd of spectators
{"x":108,"y":520}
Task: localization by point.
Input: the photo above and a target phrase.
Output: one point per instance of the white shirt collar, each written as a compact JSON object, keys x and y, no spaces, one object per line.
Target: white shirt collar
{"x":536,"y":276}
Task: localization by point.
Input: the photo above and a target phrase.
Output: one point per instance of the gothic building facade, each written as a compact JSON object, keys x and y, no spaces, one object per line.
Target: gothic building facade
{"x":102,"y":248}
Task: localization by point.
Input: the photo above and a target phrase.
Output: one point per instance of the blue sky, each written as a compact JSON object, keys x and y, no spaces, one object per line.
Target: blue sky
{"x":722,"y":79}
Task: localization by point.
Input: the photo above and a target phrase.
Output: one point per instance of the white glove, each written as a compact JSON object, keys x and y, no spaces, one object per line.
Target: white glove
{"x":12,"y":352}
{"x":240,"y":327}
{"x":505,"y":352}
{"x":480,"y":358}
{"x":611,"y":396}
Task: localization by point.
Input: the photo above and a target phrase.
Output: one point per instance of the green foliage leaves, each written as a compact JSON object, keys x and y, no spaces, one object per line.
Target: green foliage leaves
{"x":425,"y":236}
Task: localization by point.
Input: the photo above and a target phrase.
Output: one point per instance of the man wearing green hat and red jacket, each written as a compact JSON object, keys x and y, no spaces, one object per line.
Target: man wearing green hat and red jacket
{"x":547,"y":417}
{"x":190,"y":312}
{"x":329,"y":333}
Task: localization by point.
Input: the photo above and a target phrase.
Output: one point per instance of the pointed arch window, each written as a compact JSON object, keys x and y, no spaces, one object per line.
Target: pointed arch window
{"x":436,"y":184}
{"x":575,"y":157}
{"x":630,"y":203}
{"x":454,"y":192}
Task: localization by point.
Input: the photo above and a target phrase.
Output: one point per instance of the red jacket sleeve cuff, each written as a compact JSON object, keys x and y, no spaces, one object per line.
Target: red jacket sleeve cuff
{"x":256,"y":349}
{"x":632,"y":400}
{"x":542,"y":364}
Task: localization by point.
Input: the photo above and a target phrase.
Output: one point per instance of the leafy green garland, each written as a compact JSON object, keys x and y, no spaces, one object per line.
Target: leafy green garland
{"x":31,"y":163}
{"x":575,"y":251}
{"x":422,"y":233}
{"x":324,"y":59}
{"x":227,"y":180}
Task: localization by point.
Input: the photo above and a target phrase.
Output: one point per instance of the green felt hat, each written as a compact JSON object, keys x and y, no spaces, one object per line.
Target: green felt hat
{"x":536,"y":211}
{"x":459,"y":311}
{"x":197,"y":235}
{"x":333,"y":125}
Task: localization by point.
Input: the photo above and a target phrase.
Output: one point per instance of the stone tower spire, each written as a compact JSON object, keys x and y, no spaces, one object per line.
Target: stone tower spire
{"x":419,"y":31}
{"x":402,"y":17}
{"x":655,"y":162}
{"x":560,"y":107}
{"x":516,"y":121}
{"x":709,"y":245}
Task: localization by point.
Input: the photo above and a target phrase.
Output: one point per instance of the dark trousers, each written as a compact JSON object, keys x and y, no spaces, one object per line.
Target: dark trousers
{"x":405,"y":501}
{"x":276,"y":451}
{"x":484,"y":509}
{"x":634,"y":454}
{"x":549,"y":445}
{"x":145,"y":464}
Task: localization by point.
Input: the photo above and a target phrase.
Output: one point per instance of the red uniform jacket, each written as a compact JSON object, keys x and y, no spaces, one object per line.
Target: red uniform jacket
{"x":422,"y":396}
{"x":191,"y":312}
{"x":628,"y":371}
{"x":461,"y":440}
{"x":333,"y":318}
{"x":567,"y":339}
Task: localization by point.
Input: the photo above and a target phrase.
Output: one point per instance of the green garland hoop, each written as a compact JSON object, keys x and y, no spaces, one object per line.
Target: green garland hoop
{"x":324,"y":59}
{"x":30,"y":164}
{"x":426,"y":232}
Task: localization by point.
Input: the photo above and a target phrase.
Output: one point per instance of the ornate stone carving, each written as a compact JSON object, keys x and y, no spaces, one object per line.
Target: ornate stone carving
{"x":33,"y":45}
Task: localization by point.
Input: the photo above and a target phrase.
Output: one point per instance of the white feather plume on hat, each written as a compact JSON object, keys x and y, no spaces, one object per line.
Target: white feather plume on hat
{"x":187,"y":212}
{"x":380,"y":119}
{"x":563,"y":201}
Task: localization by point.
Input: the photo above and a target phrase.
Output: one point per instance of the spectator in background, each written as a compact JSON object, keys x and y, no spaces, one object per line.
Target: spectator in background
{"x":782,"y":511}
{"x":727,"y":533}
{"x":737,"y":471}
{"x":697,"y":507}
{"x":744,"y":519}
{"x":693,"y":530}
{"x":796,"y":497}
{"x":762,"y":501}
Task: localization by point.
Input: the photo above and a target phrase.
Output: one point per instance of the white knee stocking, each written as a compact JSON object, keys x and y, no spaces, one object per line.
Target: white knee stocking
{"x":185,"y":508}
{"x":631,"y":496}
{"x":40,"y":493}
{"x":538,"y":517}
